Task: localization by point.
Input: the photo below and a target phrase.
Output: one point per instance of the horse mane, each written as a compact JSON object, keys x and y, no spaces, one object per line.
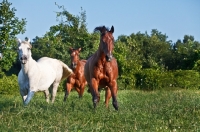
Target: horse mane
{"x":102,"y":29}
{"x":26,"y":42}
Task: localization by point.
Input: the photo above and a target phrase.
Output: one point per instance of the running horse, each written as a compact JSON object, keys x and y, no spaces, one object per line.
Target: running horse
{"x":101,"y":69}
{"x":77,"y":79}
{"x":39,"y":75}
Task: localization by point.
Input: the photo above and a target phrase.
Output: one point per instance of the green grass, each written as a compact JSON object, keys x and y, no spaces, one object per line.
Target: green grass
{"x":138,"y":111}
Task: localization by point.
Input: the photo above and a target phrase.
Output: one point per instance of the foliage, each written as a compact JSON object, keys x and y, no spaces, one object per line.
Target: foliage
{"x":127,"y":54}
{"x":185,"y":53}
{"x":70,"y":32}
{"x":138,"y":111}
{"x":8,"y":85}
{"x":10,"y":26}
{"x":150,"y":57}
{"x":187,"y":79}
{"x":149,"y":79}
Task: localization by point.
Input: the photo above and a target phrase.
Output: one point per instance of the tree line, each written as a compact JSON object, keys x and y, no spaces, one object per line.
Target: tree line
{"x":138,"y":54}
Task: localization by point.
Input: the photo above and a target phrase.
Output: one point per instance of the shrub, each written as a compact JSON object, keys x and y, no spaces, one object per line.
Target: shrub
{"x":188,"y":79}
{"x":9,"y":84}
{"x":150,"y":79}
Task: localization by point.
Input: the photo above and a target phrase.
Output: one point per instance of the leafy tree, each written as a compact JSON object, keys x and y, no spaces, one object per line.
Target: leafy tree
{"x":127,"y":52}
{"x":10,"y":26}
{"x":70,"y":32}
{"x":186,"y":53}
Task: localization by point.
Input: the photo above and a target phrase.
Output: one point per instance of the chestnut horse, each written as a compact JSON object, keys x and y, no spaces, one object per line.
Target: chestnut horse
{"x":77,"y":79}
{"x":101,"y":69}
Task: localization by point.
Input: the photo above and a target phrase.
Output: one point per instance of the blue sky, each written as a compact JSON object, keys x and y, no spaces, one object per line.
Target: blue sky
{"x":175,"y":18}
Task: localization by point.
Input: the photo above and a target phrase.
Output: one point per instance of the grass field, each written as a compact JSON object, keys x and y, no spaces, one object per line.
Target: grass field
{"x":138,"y":111}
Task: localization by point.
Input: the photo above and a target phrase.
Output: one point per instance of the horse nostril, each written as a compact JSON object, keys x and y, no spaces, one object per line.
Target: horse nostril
{"x":23,"y":57}
{"x":109,"y":58}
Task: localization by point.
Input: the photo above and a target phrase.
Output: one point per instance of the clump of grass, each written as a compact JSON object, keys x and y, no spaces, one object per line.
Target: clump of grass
{"x":138,"y":111}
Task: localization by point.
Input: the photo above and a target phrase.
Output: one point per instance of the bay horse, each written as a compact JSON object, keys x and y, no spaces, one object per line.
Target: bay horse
{"x":39,"y":75}
{"x":77,"y":79}
{"x":101,"y":69}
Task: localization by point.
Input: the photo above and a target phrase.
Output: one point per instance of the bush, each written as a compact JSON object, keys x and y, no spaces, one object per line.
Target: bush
{"x":150,"y":79}
{"x":188,"y":79}
{"x":9,"y":84}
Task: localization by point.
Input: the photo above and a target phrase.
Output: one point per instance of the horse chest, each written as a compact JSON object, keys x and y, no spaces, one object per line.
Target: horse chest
{"x":102,"y":72}
{"x":75,"y":79}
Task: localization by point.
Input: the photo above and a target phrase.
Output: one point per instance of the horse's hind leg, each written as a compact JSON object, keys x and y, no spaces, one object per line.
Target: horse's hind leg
{"x":54,"y":91}
{"x":68,"y":90}
{"x":46,"y":93}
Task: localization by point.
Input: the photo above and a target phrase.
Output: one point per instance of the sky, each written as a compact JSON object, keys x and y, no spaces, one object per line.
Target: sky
{"x":175,"y":18}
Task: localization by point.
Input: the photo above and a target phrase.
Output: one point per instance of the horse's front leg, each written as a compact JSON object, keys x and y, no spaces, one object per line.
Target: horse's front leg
{"x":24,"y":97}
{"x":94,"y":92}
{"x":107,"y":96}
{"x":29,"y":97}
{"x":82,"y":87}
{"x":113,"y":88}
{"x":54,"y":91}
{"x":78,"y":90}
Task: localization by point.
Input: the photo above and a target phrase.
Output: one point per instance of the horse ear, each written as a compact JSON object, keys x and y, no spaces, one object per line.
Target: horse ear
{"x":18,"y":41}
{"x":29,"y":40}
{"x":71,"y":48}
{"x":112,"y":29}
{"x":79,"y":49}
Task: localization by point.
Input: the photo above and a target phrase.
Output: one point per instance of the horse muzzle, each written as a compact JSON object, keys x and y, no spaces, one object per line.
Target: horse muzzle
{"x":74,"y":65}
{"x":23,"y":59}
{"x":109,"y":58}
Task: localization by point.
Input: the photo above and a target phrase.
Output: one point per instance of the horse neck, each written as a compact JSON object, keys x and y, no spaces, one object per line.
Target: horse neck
{"x":27,"y":67}
{"x":100,"y":54}
{"x":78,"y":66}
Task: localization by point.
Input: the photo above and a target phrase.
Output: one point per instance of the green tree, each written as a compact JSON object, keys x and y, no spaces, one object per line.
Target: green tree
{"x":127,"y":52}
{"x":10,"y":26}
{"x":71,"y":31}
{"x":186,"y":52}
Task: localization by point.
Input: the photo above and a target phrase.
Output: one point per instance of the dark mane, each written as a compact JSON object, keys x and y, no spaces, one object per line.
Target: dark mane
{"x":102,"y":29}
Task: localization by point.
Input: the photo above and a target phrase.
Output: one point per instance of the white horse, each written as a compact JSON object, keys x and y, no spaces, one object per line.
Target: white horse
{"x":39,"y":76}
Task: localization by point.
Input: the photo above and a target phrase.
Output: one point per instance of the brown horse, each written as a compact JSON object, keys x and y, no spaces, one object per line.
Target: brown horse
{"x":101,"y":69}
{"x":77,"y":79}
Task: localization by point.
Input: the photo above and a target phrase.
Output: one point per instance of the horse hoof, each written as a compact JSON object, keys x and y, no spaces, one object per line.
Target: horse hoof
{"x":115,"y":106}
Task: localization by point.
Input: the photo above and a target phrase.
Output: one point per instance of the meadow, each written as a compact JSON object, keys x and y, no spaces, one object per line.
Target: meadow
{"x":163,"y":111}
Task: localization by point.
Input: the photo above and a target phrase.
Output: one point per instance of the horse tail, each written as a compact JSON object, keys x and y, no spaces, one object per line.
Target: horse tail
{"x":66,"y":70}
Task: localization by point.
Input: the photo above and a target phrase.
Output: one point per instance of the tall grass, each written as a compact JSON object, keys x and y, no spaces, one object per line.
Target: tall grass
{"x":138,"y":111}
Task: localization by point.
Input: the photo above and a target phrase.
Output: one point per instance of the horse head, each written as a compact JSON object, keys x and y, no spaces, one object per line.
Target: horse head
{"x":24,"y":50}
{"x":74,"y":57}
{"x":106,"y":41}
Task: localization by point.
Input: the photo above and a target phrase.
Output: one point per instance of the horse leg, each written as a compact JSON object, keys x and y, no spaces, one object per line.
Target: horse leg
{"x":29,"y":97}
{"x":24,"y":98}
{"x":81,"y":90}
{"x":78,"y":91}
{"x":113,"y":89}
{"x":68,"y":90}
{"x":54,"y":91}
{"x":46,"y":93}
{"x":94,"y":92}
{"x":107,"y":96}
